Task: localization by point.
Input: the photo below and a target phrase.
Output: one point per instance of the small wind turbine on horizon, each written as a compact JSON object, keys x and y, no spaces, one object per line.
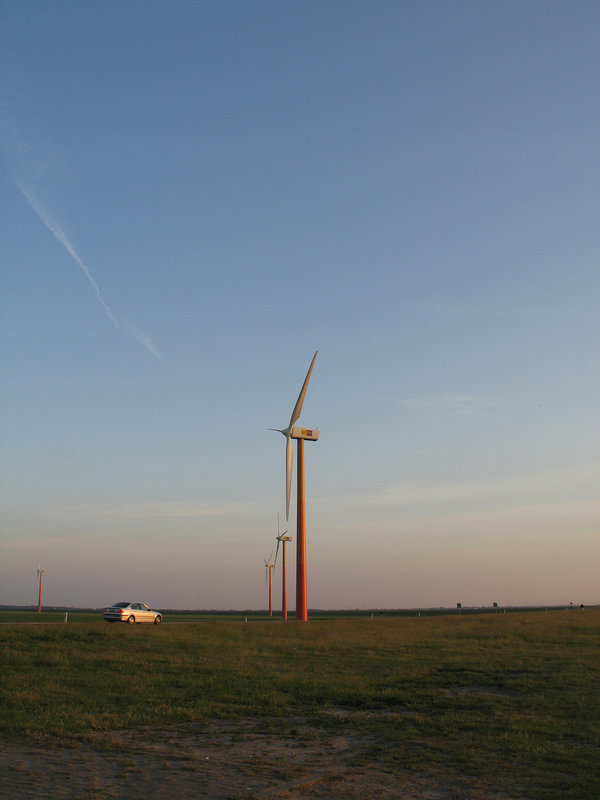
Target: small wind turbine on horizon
{"x":300,"y":434}
{"x":269,"y":565}
{"x":282,"y":539}
{"x":40,"y":572}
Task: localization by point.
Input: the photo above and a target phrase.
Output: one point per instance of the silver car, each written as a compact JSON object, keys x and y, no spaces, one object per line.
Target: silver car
{"x":132,"y":613}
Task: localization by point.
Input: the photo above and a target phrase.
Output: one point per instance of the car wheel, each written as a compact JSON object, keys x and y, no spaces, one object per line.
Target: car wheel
{"x":131,"y":620}
{"x":157,"y":620}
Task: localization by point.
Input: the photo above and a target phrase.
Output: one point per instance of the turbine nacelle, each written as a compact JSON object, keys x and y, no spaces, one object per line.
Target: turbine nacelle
{"x":308,"y":434}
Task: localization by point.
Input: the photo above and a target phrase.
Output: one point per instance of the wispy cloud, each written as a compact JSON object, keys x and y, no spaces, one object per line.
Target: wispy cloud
{"x":577,"y":483}
{"x":479,"y":310}
{"x":143,"y":512}
{"x":57,"y":231}
{"x":452,"y":404}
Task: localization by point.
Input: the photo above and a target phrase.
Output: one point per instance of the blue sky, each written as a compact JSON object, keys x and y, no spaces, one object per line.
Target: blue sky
{"x":196,"y":196}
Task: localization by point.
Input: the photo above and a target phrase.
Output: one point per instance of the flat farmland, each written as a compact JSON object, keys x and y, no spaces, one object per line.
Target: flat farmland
{"x":490,"y":706}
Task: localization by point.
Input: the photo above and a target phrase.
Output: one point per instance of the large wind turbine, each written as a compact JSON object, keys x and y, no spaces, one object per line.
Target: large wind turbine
{"x":300,"y":434}
{"x":282,"y":539}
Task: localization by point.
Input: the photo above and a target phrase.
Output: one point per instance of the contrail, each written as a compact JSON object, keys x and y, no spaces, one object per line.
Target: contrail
{"x":57,"y":231}
{"x":145,"y":341}
{"x":60,"y":235}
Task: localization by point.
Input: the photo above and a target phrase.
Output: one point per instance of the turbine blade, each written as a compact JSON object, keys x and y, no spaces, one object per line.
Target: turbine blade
{"x":277,"y":551}
{"x":289,"y":458}
{"x":300,"y":401}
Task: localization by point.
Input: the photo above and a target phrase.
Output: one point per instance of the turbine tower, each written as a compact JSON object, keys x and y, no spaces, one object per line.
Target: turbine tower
{"x":40,"y":572}
{"x":282,"y":539}
{"x":300,"y":434}
{"x":269,"y":577}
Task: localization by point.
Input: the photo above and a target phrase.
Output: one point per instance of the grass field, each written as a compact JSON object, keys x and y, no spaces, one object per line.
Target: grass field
{"x":504,"y":700}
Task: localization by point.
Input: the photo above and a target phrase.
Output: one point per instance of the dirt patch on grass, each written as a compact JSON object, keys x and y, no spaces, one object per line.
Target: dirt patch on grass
{"x":244,"y":760}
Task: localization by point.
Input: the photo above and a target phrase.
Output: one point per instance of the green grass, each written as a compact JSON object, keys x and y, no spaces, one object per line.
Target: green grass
{"x":509,"y":698}
{"x":78,"y":615}
{"x":47,"y":615}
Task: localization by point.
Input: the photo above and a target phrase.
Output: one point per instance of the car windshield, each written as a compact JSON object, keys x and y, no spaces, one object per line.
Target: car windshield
{"x":120,"y":605}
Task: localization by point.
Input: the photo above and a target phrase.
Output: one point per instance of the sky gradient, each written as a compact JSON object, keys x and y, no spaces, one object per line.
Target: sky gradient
{"x":197,"y":196}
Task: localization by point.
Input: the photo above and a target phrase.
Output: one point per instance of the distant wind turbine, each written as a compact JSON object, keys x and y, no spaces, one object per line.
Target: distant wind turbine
{"x":300,"y":434}
{"x":282,"y":539}
{"x":40,"y":572}
{"x":269,"y":578}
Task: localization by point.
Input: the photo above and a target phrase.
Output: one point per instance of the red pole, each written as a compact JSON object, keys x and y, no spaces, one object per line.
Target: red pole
{"x":284,"y":587}
{"x":270,"y":590}
{"x":40,"y":594}
{"x":301,"y":589}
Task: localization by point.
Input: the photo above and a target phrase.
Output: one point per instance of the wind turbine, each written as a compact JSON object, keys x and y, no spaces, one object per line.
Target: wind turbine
{"x":282,"y":539}
{"x":300,"y":434}
{"x":269,"y":577}
{"x":40,"y":572}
